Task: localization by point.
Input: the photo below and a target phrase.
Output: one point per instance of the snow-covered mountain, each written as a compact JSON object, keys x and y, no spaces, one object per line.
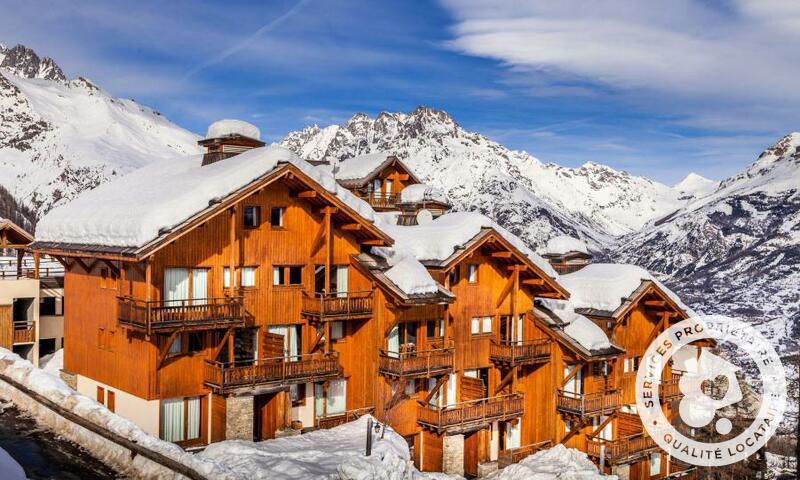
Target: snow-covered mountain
{"x":736,"y":250}
{"x":694,"y":186}
{"x":60,"y":137}
{"x":531,"y":198}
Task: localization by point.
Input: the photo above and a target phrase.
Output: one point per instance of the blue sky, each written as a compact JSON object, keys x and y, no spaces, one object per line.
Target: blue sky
{"x":658,"y":88}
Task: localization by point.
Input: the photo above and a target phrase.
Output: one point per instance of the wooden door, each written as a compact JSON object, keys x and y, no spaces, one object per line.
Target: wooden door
{"x":111,"y":401}
{"x":272,"y":345}
{"x":6,"y":327}
{"x":267,"y":417}
{"x":471,"y":447}
{"x":472,"y":389}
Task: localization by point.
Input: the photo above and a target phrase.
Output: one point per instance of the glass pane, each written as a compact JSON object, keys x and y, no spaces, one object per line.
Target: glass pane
{"x":199,"y":285}
{"x":172,"y":420}
{"x":487,"y":324}
{"x":249,"y":277}
{"x":337,"y":397}
{"x":193,"y":418}
{"x":476,"y":325}
{"x":176,"y":285}
{"x":295,"y":275}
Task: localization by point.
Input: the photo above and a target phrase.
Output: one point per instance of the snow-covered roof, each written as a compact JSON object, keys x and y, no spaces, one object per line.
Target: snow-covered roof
{"x":19,"y":234}
{"x":563,"y":244}
{"x":584,"y":331}
{"x":230,"y":127}
{"x":411,"y":276}
{"x":361,"y":166}
{"x":133,"y":210}
{"x":605,"y":286}
{"x":439,"y":239}
{"x":421,"y":192}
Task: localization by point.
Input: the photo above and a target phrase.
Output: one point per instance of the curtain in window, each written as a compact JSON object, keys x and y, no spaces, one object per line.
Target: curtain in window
{"x":177,"y":344}
{"x":394,"y":342}
{"x":337,"y":391}
{"x":655,"y":464}
{"x":487,"y":324}
{"x":520,"y":336}
{"x":249,"y":277}
{"x":575,"y":383}
{"x":476,"y":325}
{"x":276,"y":275}
{"x":176,"y":285}
{"x":226,"y":277}
{"x":606,"y":433}
{"x":513,"y":434}
{"x":319,"y":400}
{"x":172,"y":420}
{"x":389,"y":185}
{"x":199,"y":286}
{"x":341,"y":281}
{"x":436,"y":399}
{"x":281,"y":330}
{"x":193,"y":418}
{"x":294,"y":341}
{"x":451,"y":389}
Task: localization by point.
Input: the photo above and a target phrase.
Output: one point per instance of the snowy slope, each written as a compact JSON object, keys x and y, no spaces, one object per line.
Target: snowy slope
{"x":695,"y":186}
{"x":59,"y":137}
{"x":736,"y":250}
{"x":532,"y":199}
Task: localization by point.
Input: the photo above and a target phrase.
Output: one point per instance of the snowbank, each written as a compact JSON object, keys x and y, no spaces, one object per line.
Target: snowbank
{"x":558,"y":462}
{"x":227,"y":127}
{"x":440,"y":238}
{"x":563,"y":244}
{"x":421,"y":192}
{"x":581,"y":329}
{"x":334,"y":453}
{"x":11,"y":470}
{"x":132,"y":210}
{"x":359,"y":167}
{"x":603,"y":286}
{"x":411,"y":276}
{"x":53,"y":363}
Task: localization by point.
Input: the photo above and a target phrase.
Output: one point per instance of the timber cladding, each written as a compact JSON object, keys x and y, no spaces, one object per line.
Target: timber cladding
{"x":6,"y":326}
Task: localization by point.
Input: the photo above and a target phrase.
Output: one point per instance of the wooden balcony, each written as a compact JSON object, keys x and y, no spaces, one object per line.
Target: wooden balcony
{"x":669,"y":390}
{"x":24,"y":332}
{"x":380,"y":201}
{"x":166,"y":317}
{"x":516,"y":455}
{"x":590,"y":404}
{"x":528,"y":352}
{"x":338,"y":306}
{"x":340,"y":419}
{"x":271,"y":372}
{"x":680,"y":471}
{"x":623,"y":450}
{"x":466,"y":416}
{"x":417,"y":364}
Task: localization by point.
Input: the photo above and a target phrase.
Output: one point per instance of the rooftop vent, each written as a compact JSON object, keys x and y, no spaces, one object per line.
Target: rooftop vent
{"x":226,"y":138}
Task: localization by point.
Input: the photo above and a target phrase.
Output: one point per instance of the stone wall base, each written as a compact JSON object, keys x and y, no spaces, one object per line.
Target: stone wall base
{"x":286,"y":432}
{"x":239,"y":417}
{"x":71,"y":379}
{"x":453,"y":455}
{"x":486,"y":469}
{"x":622,"y":471}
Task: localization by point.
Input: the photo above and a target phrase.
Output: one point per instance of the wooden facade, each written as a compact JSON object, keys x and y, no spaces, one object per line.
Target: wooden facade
{"x":302,"y":315}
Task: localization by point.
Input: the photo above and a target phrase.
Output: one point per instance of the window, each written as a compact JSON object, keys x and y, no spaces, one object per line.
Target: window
{"x":655,"y":464}
{"x":177,"y":345}
{"x":180,"y":419}
{"x":108,"y":279}
{"x":434,"y":328}
{"x":252,"y":216}
{"x":332,"y":402}
{"x":455,"y":275}
{"x":298,"y":394}
{"x":47,"y":306}
{"x":291,"y":275}
{"x":195,"y":341}
{"x":481,"y":325}
{"x":389,"y":185}
{"x":472,"y":273}
{"x":249,"y":276}
{"x":101,"y":395}
{"x":630,"y":364}
{"x":276,"y":216}
{"x":337,"y":330}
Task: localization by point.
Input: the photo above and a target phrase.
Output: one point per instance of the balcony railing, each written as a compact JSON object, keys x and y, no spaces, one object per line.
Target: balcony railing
{"x":520,"y":353}
{"x":591,"y":404}
{"x":338,"y":306}
{"x":464,"y":415}
{"x":225,"y":377}
{"x":417,"y":364}
{"x":196,"y":314}
{"x":331,"y":421}
{"x":516,"y":455}
{"x":623,"y":450}
{"x":24,"y":332}
{"x":380,"y":200}
{"x":670,"y":389}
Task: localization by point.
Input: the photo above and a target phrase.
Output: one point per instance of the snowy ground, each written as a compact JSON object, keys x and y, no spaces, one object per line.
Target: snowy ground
{"x":337,"y":453}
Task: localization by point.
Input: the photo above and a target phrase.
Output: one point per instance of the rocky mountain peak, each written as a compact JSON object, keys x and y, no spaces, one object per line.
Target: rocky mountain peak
{"x":24,"y":62}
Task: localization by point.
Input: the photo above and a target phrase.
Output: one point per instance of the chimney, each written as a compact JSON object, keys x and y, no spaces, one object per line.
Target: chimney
{"x":226,"y":138}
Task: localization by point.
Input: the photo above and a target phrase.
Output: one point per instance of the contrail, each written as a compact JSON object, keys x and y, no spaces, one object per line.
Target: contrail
{"x":247,"y":41}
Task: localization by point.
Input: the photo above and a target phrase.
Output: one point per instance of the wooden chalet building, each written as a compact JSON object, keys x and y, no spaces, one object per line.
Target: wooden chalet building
{"x":566,"y":254}
{"x":248,"y":294}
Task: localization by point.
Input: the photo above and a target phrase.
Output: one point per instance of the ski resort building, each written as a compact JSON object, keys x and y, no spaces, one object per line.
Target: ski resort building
{"x":248,"y":294}
{"x":31,"y":297}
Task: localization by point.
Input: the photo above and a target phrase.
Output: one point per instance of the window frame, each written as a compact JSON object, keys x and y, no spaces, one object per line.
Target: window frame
{"x":255,"y":276}
{"x":286,"y":276}
{"x":470,"y":271}
{"x":282,"y":220}
{"x":257,"y":217}
{"x":481,"y":325}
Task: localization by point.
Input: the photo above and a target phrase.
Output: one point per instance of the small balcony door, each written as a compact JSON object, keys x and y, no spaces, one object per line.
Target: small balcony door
{"x":517,"y":335}
{"x":338,"y":279}
{"x":176,"y":285}
{"x":513,"y":435}
{"x":402,"y":335}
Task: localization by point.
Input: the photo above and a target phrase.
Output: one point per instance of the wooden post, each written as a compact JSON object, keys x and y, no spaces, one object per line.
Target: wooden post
{"x":328,"y":251}
{"x":232,"y":265}
{"x":36,"y":259}
{"x":231,"y":358}
{"x":20,"y":255}
{"x":148,"y":278}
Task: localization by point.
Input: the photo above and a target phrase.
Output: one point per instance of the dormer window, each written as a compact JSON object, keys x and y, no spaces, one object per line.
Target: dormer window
{"x":252,"y":216}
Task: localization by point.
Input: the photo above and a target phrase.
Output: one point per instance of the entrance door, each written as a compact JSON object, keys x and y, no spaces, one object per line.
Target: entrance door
{"x":471,"y":446}
{"x":267,"y":416}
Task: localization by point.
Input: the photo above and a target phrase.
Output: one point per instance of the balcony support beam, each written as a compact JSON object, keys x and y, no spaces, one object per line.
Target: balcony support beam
{"x":441,"y":381}
{"x":602,"y":425}
{"x":573,"y":371}
{"x":507,"y":379}
{"x":162,"y":355}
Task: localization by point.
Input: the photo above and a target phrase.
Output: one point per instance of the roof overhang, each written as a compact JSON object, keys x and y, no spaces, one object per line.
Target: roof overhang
{"x":391,"y":160}
{"x":551,"y":325}
{"x":13,"y":236}
{"x":375,"y":267}
{"x":646,"y":289}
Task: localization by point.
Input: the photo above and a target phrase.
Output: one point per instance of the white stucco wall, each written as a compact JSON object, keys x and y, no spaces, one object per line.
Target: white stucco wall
{"x":305,"y":413}
{"x":144,"y":413}
{"x":24,"y":288}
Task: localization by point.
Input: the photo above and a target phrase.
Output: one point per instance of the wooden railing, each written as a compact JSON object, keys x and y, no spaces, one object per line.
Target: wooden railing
{"x":670,"y":389}
{"x":380,"y":200}
{"x":24,"y":332}
{"x":223,"y":377}
{"x":680,"y":471}
{"x":338,"y":306}
{"x":340,"y":419}
{"x":515,"y":455}
{"x":590,"y":404}
{"x":519,"y":353}
{"x":197,"y":314}
{"x":466,"y":414}
{"x":623,"y":450}
{"x":423,"y":363}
